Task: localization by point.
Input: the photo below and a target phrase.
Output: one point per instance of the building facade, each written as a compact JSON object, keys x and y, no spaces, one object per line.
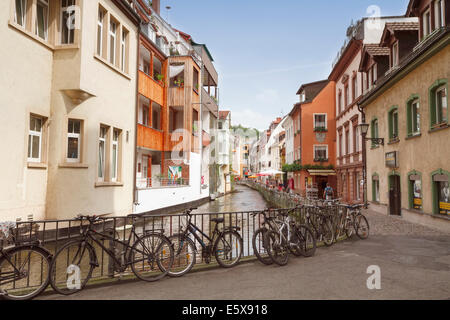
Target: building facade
{"x":71,"y":74}
{"x":409,"y":174}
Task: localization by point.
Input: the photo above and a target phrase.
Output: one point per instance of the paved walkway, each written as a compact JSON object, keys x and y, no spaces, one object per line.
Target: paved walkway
{"x":414,"y":263}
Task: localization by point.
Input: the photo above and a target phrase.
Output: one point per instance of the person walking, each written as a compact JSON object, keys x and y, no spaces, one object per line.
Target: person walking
{"x":328,"y":192}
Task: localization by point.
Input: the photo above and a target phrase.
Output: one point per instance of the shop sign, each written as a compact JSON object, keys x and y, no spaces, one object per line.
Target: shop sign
{"x":391,"y":159}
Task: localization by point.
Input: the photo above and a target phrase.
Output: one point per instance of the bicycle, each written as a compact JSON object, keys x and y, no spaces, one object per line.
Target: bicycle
{"x":258,"y":245}
{"x":321,"y":223}
{"x":227,"y":246}
{"x":356,"y":222}
{"x":288,"y":237}
{"x":150,"y":256}
{"x":24,"y":269}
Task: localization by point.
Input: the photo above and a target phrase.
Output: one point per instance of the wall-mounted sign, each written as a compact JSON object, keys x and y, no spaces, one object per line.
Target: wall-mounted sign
{"x":392,"y":159}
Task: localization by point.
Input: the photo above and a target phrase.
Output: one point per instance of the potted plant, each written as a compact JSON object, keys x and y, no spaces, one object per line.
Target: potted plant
{"x":179,"y":83}
{"x":160,"y":78}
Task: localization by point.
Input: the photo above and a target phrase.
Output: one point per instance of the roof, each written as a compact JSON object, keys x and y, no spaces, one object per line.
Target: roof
{"x":372,"y":50}
{"x":392,"y":27}
{"x":223,"y":115}
{"x":205,"y":47}
{"x":184,"y":35}
{"x":312,"y":89}
{"x":427,"y":48}
{"x":344,"y":61}
{"x":412,"y":6}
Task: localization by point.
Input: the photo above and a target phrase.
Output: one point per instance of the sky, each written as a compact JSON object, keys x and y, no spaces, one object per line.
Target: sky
{"x":264,"y":50}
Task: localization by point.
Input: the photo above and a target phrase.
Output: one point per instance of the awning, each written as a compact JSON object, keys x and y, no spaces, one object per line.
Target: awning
{"x":322,"y":172}
{"x":269,"y":173}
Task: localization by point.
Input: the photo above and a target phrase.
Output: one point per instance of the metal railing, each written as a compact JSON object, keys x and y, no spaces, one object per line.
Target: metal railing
{"x":149,"y":183}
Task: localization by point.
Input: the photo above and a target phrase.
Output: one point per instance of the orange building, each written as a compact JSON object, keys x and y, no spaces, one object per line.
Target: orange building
{"x":314,"y":119}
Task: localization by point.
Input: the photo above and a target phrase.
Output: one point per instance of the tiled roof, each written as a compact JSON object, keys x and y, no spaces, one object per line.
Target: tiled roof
{"x":223,"y":114}
{"x":402,"y":26}
{"x":376,"y":50}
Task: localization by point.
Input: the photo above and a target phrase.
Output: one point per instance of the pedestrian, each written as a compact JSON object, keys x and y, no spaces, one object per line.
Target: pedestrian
{"x":328,"y":192}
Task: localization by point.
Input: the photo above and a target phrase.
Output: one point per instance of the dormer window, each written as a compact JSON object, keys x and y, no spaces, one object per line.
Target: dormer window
{"x":302,"y":97}
{"x":394,"y":54}
{"x":426,"y":23}
{"x":439,"y":13}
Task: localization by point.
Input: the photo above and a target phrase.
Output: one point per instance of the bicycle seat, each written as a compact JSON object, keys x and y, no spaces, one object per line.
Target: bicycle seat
{"x":218,"y":220}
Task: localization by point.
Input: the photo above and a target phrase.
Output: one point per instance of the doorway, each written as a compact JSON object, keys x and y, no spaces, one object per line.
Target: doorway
{"x":394,"y":195}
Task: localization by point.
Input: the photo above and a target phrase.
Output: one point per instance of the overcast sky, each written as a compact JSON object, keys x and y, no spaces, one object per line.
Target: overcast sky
{"x":264,"y":50}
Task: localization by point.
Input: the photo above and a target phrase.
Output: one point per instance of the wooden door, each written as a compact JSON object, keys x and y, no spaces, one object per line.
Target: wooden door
{"x":394,"y":195}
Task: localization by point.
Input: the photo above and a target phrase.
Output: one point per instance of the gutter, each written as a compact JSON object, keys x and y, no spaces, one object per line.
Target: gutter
{"x":136,"y":112}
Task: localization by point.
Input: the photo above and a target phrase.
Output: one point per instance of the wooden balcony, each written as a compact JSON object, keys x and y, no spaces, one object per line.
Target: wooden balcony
{"x":151,"y":88}
{"x":150,"y":138}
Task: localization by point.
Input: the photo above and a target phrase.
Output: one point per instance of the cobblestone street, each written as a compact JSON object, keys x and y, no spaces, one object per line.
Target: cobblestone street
{"x":414,"y":262}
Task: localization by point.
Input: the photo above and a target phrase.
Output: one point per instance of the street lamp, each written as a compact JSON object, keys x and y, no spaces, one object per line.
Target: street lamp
{"x":364,"y":127}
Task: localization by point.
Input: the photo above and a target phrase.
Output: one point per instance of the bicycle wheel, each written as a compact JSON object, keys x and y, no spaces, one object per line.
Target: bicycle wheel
{"x":349,"y":228}
{"x":24,"y":272}
{"x":151,"y":257}
{"x":307,"y":241}
{"x":72,"y":267}
{"x":184,"y":255}
{"x":278,"y":251}
{"x":228,"y":249}
{"x":259,"y":248}
{"x":362,"y":226}
{"x":327,"y":232}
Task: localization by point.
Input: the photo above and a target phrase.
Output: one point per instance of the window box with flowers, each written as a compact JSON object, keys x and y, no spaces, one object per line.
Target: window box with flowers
{"x":320,"y":129}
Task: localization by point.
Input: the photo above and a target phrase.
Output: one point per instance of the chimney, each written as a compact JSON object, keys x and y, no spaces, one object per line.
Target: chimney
{"x":156,"y":6}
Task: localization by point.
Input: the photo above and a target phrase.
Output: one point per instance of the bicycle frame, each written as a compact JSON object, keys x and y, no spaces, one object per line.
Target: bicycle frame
{"x":14,"y":275}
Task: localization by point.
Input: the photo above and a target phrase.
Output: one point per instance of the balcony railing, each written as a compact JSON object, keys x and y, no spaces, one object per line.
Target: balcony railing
{"x":211,"y":103}
{"x":156,"y":182}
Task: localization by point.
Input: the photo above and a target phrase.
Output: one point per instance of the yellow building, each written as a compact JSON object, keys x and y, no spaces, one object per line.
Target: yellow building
{"x":409,"y":173}
{"x":68,"y":107}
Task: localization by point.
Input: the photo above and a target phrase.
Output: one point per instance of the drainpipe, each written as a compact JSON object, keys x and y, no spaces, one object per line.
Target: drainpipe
{"x":136,"y":118}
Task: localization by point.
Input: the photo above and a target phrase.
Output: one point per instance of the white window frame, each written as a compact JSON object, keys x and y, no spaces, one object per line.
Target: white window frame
{"x":23,"y":4}
{"x":439,"y":89}
{"x":115,"y":159}
{"x":394,"y":54}
{"x":320,"y":114}
{"x":46,"y":19}
{"x":100,"y":21}
{"x":102,"y":139}
{"x":316,"y":146}
{"x":426,"y":24}
{"x":440,"y":6}
{"x":75,"y":136}
{"x":64,"y":9}
{"x":123,"y":49}
{"x":413,"y":129}
{"x":112,"y":39}
{"x":34,"y":133}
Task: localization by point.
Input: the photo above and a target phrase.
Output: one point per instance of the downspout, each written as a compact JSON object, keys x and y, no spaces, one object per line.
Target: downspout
{"x":136,"y":119}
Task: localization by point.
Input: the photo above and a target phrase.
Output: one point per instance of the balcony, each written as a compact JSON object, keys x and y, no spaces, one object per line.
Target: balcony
{"x":210,"y":103}
{"x":149,"y":138}
{"x":150,"y":88}
{"x":157,"y":182}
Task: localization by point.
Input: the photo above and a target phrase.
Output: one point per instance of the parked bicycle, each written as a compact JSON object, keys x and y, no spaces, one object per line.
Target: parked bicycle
{"x":150,"y":255}
{"x":356,"y":222}
{"x":258,"y":245}
{"x":287,"y":236}
{"x":24,"y":268}
{"x":225,"y":245}
{"x":320,"y":221}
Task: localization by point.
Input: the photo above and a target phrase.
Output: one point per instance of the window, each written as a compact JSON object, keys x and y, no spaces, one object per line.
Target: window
{"x":439,"y":13}
{"x":340,"y":101}
{"x":374,"y":131}
{"x":102,"y":153}
{"x":413,"y":117}
{"x":340,"y":144}
{"x":375,"y":188}
{"x":393,"y":124}
{"x":320,"y":153}
{"x":115,"y":155}
{"x":441,"y":192}
{"x":347,"y":95}
{"x":21,"y":12}
{"x":220,"y":125}
{"x":441,"y":105}
{"x":395,"y":54}
{"x":42,"y":19}
{"x":124,"y":51}
{"x":73,"y":140}
{"x":369,"y":79}
{"x":347,"y":141}
{"x":354,"y":87}
{"x":415,"y":190}
{"x":195,"y":84}
{"x":67,"y":21}
{"x":356,"y":186}
{"x":112,"y":42}
{"x":426,"y":23}
{"x":156,"y":116}
{"x":100,"y":21}
{"x":320,"y":121}
{"x":157,"y":69}
{"x":355,"y":139}
{"x":145,"y":114}
{"x":35,"y":139}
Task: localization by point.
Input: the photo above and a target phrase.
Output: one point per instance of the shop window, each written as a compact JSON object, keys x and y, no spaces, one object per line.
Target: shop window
{"x":441,"y":192}
{"x":415,"y":190}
